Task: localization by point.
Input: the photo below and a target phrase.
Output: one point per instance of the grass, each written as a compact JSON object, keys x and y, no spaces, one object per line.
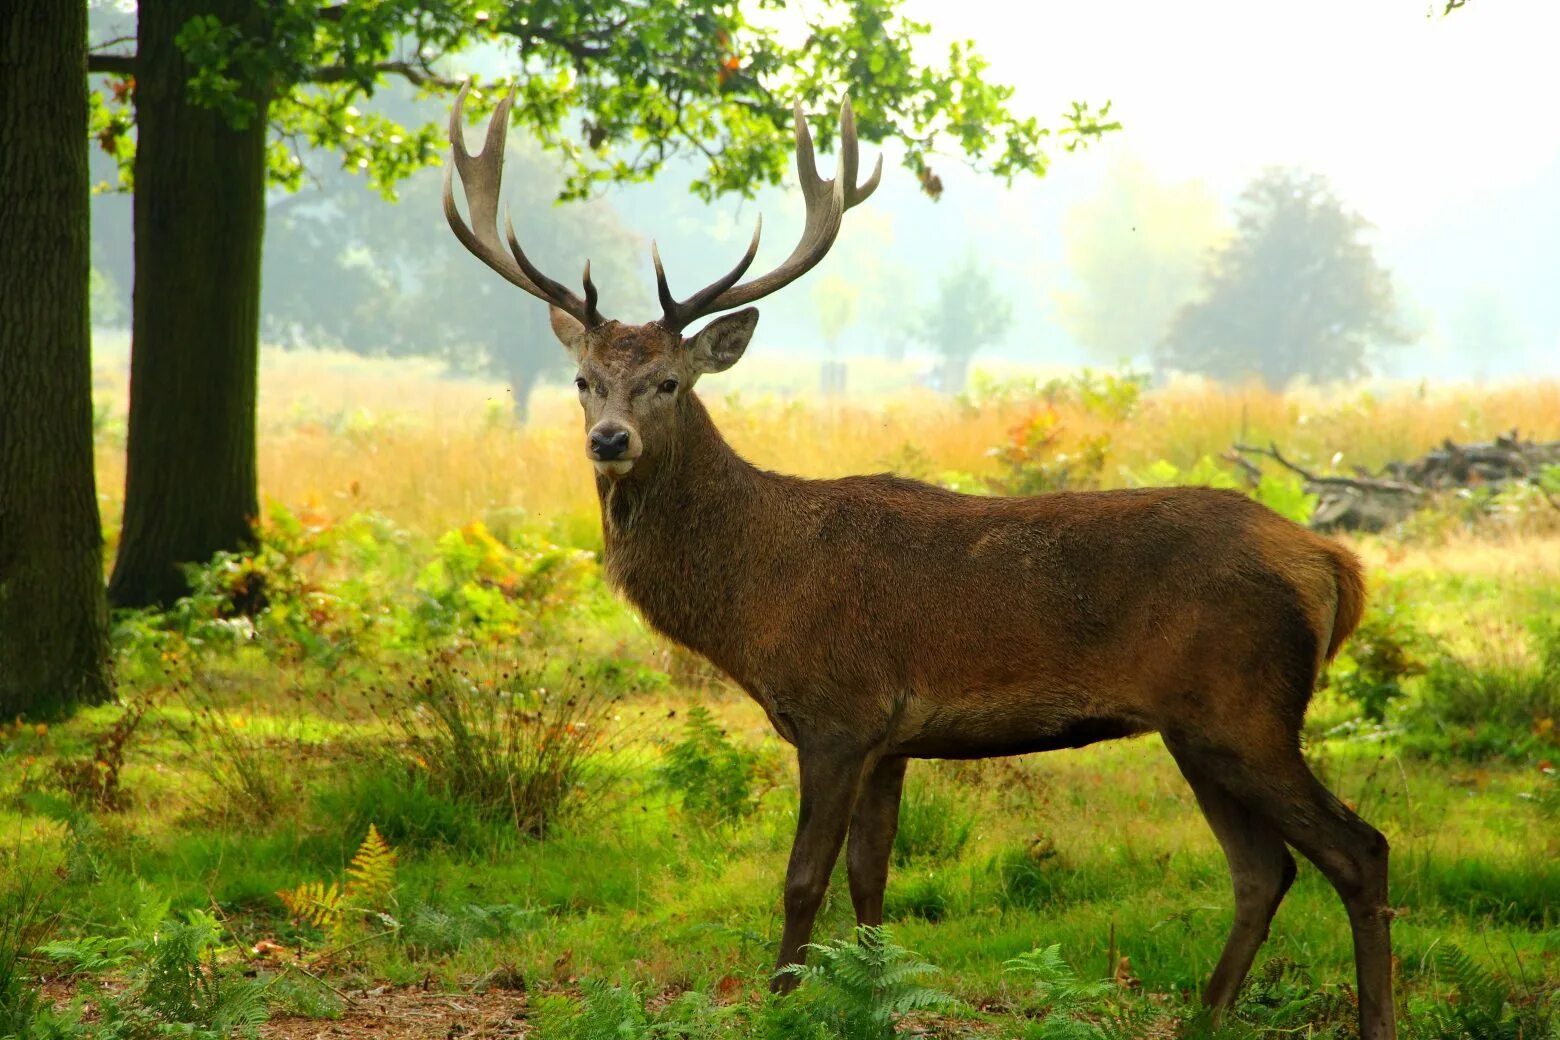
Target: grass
{"x":620,"y":853}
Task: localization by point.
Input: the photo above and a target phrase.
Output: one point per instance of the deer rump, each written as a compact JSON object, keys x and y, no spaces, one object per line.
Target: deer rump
{"x":932,"y":624}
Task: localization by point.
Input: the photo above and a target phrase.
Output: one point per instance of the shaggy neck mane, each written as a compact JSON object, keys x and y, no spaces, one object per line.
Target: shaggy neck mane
{"x":675,"y":533}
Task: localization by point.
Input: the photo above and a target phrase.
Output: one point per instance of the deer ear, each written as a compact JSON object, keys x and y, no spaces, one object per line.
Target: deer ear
{"x":719,"y":345}
{"x":568,"y":329}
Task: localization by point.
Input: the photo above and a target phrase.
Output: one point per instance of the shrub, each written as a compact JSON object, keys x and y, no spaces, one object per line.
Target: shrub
{"x":714,"y":776}
{"x":1284,"y":493}
{"x":1033,"y":460}
{"x":1384,"y":652}
{"x":1502,"y":707}
{"x":92,"y":781}
{"x":504,"y":748}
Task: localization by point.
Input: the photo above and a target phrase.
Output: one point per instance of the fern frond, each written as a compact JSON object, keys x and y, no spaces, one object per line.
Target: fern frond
{"x":314,"y":902}
{"x":371,"y":874}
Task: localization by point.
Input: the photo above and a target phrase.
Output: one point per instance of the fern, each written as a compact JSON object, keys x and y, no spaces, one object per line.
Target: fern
{"x":314,"y":902}
{"x":863,"y":988}
{"x":371,"y":874}
{"x":713,"y":774}
{"x":1076,"y":1010}
{"x":1485,"y":1006}
{"x":177,"y":986}
{"x":370,"y":882}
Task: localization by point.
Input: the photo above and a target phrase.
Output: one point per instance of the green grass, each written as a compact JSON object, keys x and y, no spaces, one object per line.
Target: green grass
{"x":258,"y":770}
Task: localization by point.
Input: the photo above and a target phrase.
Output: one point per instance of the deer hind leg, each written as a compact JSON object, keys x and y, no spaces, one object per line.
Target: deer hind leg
{"x":872,"y":829}
{"x":830,"y":780}
{"x":1261,"y":870}
{"x":1349,"y":852}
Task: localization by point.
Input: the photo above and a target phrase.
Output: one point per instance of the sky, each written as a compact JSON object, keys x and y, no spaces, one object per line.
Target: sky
{"x":1411,"y":116}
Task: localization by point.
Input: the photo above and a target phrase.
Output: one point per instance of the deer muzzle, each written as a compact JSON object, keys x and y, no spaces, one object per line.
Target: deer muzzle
{"x":612,"y":449}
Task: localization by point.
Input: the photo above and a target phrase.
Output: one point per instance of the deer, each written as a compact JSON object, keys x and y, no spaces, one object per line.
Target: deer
{"x":877,"y":619}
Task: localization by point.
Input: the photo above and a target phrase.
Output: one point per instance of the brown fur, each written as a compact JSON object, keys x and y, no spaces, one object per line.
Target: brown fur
{"x":878,"y":619}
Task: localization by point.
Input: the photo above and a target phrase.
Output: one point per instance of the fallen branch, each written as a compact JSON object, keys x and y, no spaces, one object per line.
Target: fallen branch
{"x":1358,"y":483}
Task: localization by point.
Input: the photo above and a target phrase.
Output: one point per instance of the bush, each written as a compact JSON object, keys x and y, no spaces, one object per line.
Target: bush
{"x":500,"y":746}
{"x":1033,"y":461}
{"x":714,"y":776}
{"x":92,"y":781}
{"x":1384,"y":652}
{"x":1501,"y":708}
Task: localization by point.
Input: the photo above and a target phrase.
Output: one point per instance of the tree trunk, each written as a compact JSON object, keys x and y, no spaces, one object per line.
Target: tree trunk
{"x":190,"y":480}
{"x":52,"y":616}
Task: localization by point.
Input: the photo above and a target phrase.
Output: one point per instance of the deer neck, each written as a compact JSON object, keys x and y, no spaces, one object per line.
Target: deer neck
{"x":677,"y":534}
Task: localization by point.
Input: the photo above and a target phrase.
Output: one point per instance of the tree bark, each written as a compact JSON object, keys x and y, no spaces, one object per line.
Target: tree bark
{"x":190,"y":477}
{"x":53,"y":622}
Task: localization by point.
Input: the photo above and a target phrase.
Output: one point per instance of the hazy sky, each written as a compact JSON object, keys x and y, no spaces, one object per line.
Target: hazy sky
{"x":1410,"y":115}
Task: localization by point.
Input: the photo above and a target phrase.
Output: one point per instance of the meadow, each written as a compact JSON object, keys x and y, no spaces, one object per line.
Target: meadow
{"x":410,"y":767}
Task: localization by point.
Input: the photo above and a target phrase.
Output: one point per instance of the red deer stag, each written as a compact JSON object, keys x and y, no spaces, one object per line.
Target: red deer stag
{"x":877,"y":619}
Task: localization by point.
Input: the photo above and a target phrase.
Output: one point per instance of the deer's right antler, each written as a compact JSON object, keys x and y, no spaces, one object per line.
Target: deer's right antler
{"x":480,"y":177}
{"x":827,"y":202}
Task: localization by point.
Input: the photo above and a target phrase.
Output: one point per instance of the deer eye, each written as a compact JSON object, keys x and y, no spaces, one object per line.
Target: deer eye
{"x":668,"y":386}
{"x":580,"y":384}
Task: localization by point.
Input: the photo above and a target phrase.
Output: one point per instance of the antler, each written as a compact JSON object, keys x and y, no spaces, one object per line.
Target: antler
{"x":480,"y":176}
{"x":827,"y":202}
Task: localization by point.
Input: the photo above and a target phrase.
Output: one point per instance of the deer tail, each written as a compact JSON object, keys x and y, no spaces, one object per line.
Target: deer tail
{"x":1350,"y":579}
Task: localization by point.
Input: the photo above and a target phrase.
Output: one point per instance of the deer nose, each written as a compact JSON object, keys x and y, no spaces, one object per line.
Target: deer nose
{"x":608,"y":444}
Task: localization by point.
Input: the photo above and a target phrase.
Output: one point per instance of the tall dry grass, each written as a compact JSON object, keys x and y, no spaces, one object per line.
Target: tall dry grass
{"x":342,"y":434}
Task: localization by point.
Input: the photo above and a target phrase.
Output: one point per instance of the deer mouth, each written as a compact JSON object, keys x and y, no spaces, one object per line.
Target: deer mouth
{"x":613,"y":468}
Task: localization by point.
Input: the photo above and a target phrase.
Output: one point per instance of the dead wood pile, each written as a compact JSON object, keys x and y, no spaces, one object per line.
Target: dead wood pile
{"x":1371,"y":501}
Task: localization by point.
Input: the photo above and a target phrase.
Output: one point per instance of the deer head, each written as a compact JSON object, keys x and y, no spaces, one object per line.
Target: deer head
{"x":632,"y":378}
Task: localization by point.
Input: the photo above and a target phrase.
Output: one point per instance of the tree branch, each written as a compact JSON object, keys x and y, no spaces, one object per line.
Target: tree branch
{"x":1362,"y":483}
{"x":113,"y":64}
{"x":416,"y":74}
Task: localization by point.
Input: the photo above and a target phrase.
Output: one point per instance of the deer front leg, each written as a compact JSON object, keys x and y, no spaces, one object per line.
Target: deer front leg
{"x":872,"y":830}
{"x":829,"y":783}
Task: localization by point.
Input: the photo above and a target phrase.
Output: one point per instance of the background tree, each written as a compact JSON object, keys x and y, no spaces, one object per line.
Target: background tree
{"x":836,"y":299}
{"x":224,"y":90}
{"x":52,"y":614}
{"x":1135,"y":255}
{"x":969,"y":314}
{"x":1297,"y":291}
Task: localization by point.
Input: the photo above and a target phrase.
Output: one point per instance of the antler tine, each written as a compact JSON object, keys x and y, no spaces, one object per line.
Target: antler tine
{"x":481,"y":176}
{"x":677,"y":315}
{"x":826,"y":201}
{"x":854,"y":194}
